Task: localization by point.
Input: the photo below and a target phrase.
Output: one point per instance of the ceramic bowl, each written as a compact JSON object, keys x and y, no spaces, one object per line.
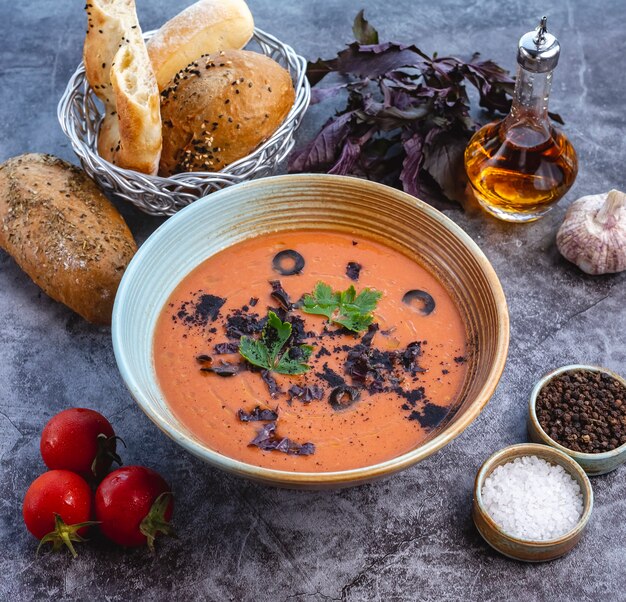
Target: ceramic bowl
{"x":521,"y":549}
{"x":593,"y":464}
{"x":296,"y":202}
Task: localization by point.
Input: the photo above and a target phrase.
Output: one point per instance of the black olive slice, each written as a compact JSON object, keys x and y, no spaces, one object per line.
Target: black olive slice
{"x":280,"y":295}
{"x":427,"y":302}
{"x":288,"y":262}
{"x":343,"y":397}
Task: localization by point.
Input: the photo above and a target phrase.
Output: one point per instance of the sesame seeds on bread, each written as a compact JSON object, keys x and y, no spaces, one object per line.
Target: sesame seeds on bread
{"x":119,"y":71}
{"x":220,"y":108}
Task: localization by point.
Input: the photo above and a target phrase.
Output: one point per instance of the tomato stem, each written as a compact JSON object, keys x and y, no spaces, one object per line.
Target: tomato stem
{"x":106,"y":451}
{"x":64,"y":534}
{"x":155,"y":522}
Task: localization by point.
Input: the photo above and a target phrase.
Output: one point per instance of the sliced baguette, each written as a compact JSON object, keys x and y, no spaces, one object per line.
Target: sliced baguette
{"x":107,"y":22}
{"x":119,"y":70}
{"x":203,"y":28}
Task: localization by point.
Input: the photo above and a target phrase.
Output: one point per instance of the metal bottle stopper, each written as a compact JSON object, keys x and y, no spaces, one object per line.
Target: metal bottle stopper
{"x":538,"y":51}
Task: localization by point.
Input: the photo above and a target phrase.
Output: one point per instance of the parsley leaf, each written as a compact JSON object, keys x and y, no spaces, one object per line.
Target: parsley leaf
{"x":345,"y":308}
{"x":269,"y":350}
{"x":296,"y":365}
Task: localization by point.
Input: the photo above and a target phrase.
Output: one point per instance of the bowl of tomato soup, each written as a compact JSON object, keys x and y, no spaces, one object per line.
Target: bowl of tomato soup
{"x":310,"y":331}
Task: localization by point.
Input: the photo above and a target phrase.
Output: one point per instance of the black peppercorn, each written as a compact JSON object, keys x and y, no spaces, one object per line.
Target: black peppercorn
{"x":583,"y":411}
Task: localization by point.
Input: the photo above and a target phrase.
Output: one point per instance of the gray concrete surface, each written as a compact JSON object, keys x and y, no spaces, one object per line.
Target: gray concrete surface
{"x":410,"y":537}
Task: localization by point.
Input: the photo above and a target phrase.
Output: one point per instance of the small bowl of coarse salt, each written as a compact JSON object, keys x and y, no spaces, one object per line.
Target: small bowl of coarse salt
{"x":531,"y":502}
{"x":581,"y":410}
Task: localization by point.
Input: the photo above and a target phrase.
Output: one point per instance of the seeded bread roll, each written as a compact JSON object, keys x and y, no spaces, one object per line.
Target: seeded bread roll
{"x":204,"y":27}
{"x":64,"y":233}
{"x":220,"y":108}
{"x":118,"y":69}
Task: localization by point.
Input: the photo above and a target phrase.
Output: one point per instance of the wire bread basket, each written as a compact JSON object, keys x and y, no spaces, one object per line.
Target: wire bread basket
{"x":79,"y":115}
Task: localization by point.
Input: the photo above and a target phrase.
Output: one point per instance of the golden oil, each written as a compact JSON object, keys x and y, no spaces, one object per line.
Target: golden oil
{"x":520,"y":167}
{"x":518,"y":174}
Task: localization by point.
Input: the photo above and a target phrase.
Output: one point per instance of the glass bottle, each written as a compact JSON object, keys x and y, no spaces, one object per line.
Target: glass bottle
{"x":521,"y":166}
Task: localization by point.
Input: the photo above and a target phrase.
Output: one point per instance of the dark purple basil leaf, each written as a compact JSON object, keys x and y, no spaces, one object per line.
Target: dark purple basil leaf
{"x":330,"y":376}
{"x":447,"y":66}
{"x":322,"y":151}
{"x":363,"y":32}
{"x":225,"y":348}
{"x":280,"y":295}
{"x":222,"y":368}
{"x":240,"y":323}
{"x":347,"y":159}
{"x":267,"y":440}
{"x":380,"y":150}
{"x":202,"y":311}
{"x":401,"y":98}
{"x":410,"y":356}
{"x":298,"y":332}
{"x":494,"y":84}
{"x":271,"y":383}
{"x":444,"y":162}
{"x":431,"y":416}
{"x":353,"y":270}
{"x":412,"y":164}
{"x":372,"y":329}
{"x":369,"y":61}
{"x":257,"y":415}
{"x":353,"y":86}
{"x":351,"y":153}
{"x":390,"y":118}
{"x":322,"y":94}
{"x":287,"y":446}
{"x":488,"y":69}
{"x":305,"y":394}
{"x":306,"y":449}
{"x":316,"y":71}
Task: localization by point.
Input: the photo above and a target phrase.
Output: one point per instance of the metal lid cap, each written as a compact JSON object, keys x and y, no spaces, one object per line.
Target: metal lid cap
{"x":538,"y":51}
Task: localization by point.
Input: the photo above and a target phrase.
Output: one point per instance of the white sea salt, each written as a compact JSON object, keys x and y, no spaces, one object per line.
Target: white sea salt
{"x":530,"y":498}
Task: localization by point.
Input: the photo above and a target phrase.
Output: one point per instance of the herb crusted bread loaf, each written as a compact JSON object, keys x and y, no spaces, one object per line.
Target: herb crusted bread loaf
{"x":64,"y":233}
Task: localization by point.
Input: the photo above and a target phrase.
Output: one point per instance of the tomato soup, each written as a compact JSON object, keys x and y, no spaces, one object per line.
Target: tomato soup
{"x":361,"y":397}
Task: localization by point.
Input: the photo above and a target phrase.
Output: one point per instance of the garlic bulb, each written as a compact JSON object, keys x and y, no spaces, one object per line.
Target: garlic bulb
{"x":593,"y":233}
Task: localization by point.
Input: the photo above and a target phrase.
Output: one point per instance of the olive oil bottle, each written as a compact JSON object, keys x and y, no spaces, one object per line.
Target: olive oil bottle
{"x":521,"y":166}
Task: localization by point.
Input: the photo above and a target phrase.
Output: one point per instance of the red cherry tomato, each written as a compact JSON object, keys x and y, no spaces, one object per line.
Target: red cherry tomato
{"x":79,"y":440}
{"x":133,"y":505}
{"x":57,"y":508}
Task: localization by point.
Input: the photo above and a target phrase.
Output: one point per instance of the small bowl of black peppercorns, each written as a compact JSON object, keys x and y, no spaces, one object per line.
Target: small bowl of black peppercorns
{"x":581,"y":410}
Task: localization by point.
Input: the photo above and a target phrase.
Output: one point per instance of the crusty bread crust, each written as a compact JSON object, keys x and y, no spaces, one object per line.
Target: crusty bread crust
{"x":64,"y":233}
{"x":204,"y":27}
{"x":220,"y":108}
{"x":106,"y":28}
{"x":118,"y":68}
